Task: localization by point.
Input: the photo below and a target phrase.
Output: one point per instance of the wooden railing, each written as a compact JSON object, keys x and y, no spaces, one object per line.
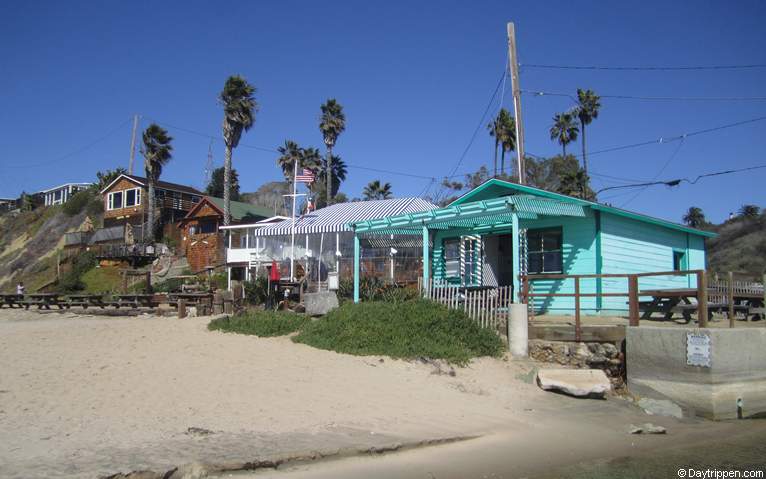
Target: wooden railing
{"x":725,"y":291}
{"x":528,"y":294}
{"x":488,"y":306}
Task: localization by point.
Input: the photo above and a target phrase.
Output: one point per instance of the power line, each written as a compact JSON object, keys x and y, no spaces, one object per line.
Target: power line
{"x":664,"y":166}
{"x":646,"y":68}
{"x":75,"y":152}
{"x":539,"y":93}
{"x":390,"y":172}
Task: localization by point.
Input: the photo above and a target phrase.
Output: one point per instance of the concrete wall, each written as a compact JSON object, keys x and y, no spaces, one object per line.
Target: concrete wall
{"x":656,"y":366}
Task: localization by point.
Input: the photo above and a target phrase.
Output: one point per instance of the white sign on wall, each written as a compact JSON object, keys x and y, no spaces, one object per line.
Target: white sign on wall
{"x":698,"y":349}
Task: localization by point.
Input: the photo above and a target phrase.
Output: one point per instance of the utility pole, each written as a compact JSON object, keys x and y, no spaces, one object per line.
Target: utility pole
{"x":209,"y":165}
{"x":513,"y":61}
{"x":133,"y":145}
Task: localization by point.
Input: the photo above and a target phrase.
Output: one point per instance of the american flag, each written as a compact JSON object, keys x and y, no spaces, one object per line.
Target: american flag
{"x":306,"y":177}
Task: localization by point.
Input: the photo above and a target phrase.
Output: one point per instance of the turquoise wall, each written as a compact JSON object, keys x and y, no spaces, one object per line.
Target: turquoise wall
{"x":621,"y":246}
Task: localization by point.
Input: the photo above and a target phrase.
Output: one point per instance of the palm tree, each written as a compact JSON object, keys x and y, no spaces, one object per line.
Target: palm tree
{"x":694,"y":217}
{"x":332,"y":123}
{"x":310,"y":158}
{"x":239,"y":107}
{"x":588,"y":105}
{"x":496,"y":131}
{"x":508,"y":141}
{"x":157,"y":152}
{"x":375,"y":191}
{"x":288,"y":154}
{"x":564,"y":130}
{"x":749,"y":211}
{"x":339,"y":173}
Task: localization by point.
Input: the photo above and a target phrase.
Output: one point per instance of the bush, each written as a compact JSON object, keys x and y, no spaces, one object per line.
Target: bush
{"x":408,"y":330}
{"x":375,"y":289}
{"x":72,"y":280}
{"x":257,"y":290}
{"x":95,"y":207}
{"x":219,"y":281}
{"x":77,"y":202}
{"x":260,"y":323}
{"x":169,"y":285}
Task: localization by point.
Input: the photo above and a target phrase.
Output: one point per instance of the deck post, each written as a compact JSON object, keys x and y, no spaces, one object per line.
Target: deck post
{"x":633,"y":300}
{"x":730,"y":299}
{"x":578,"y":329}
{"x":515,"y":256}
{"x":702,"y":299}
{"x":426,"y":258}
{"x":356,"y":267}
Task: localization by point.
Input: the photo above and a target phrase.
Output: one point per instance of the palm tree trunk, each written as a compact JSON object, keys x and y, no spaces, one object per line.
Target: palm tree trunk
{"x":502,"y":160}
{"x":495,"y":175}
{"x":227,"y":186}
{"x":150,"y":210}
{"x":584,"y":159}
{"x":328,"y":174}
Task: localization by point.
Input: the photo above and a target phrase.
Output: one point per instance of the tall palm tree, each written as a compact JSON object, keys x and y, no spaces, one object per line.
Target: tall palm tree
{"x":749,"y":211}
{"x":310,"y":158}
{"x":694,"y":217}
{"x":377,"y":191}
{"x":508,"y":140}
{"x":157,"y":152}
{"x":564,"y":130}
{"x":588,"y":105}
{"x":332,"y":123}
{"x":239,"y":108}
{"x":339,"y":173}
{"x":496,"y":131}
{"x":288,"y":154}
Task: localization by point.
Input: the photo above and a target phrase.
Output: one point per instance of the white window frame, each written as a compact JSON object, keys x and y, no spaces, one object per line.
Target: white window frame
{"x":110,"y":200}
{"x":125,"y":198}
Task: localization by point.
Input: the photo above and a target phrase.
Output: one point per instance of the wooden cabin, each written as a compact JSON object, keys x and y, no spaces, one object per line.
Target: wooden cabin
{"x":125,"y":202}
{"x":201,"y":240}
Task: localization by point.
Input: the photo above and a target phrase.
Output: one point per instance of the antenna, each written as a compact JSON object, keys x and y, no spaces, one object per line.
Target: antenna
{"x":209,"y":165}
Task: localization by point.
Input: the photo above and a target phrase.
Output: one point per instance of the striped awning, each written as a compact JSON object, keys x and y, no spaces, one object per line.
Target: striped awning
{"x":478,"y":214}
{"x":336,"y":218}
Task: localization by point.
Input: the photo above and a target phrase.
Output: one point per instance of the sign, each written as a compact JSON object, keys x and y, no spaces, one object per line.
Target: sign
{"x":698,"y":349}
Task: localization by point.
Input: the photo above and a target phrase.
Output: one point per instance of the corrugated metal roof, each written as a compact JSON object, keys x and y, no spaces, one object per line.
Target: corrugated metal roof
{"x":240,"y":210}
{"x":335,"y":218}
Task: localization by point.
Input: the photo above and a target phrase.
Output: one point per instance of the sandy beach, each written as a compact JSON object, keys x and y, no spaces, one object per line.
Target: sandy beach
{"x":88,"y":396}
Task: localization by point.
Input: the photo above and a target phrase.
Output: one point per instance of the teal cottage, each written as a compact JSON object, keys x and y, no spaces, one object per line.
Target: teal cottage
{"x":500,"y":231}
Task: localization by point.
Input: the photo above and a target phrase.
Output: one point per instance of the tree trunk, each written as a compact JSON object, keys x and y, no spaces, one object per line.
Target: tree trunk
{"x":502,"y":160}
{"x":328,"y":175}
{"x":495,"y":175}
{"x":584,"y":159}
{"x":227,"y":186}
{"x":150,"y":209}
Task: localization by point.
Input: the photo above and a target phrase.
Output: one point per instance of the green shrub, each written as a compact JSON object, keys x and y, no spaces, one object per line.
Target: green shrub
{"x":72,"y":279}
{"x":169,"y":285}
{"x":95,"y":207}
{"x":77,"y":202}
{"x":219,"y":281}
{"x":260,"y":323}
{"x":257,"y":290}
{"x":408,"y":330}
{"x":375,"y":289}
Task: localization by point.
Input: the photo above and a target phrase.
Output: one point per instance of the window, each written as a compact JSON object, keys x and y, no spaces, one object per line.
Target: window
{"x":207,"y":226}
{"x":679,"y":260}
{"x":132,"y":197}
{"x":544,"y":251}
{"x":452,"y":258}
{"x":114,"y":200}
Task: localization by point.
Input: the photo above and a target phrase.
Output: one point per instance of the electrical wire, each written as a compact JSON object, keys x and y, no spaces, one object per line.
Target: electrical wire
{"x":645,"y":68}
{"x":539,"y":93}
{"x":659,"y":173}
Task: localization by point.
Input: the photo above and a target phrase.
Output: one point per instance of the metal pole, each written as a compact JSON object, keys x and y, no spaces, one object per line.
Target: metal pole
{"x":133,"y":145}
{"x":513,"y":60}
{"x":292,"y":229}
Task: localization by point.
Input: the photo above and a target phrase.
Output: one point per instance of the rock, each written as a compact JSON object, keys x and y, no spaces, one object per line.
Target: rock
{"x":582,"y":351}
{"x":660,"y":407}
{"x":647,"y":428}
{"x":587,"y":383}
{"x":320,"y":303}
{"x":610,"y":350}
{"x":597,"y":361}
{"x":198,"y":431}
{"x":193,"y":470}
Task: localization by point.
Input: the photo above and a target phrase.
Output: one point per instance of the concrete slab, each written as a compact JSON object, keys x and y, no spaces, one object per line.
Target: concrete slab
{"x":586,"y":383}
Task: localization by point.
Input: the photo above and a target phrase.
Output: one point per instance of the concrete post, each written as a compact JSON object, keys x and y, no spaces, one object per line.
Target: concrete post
{"x":357,"y":258}
{"x":181,"y":308}
{"x":518,"y":330}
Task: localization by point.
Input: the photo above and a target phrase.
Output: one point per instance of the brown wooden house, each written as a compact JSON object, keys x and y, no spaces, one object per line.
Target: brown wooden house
{"x":125,"y":202}
{"x":201,"y":240}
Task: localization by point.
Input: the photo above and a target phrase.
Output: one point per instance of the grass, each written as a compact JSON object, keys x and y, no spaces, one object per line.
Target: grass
{"x":260,"y":323}
{"x":407,"y":330}
{"x":102,"y":280}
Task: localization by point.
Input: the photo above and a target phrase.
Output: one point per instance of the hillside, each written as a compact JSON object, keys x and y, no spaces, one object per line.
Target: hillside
{"x":740,"y":246}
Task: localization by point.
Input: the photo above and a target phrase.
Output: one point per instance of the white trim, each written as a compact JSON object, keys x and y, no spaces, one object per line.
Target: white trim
{"x":122,"y":175}
{"x":65,"y":185}
{"x":110,"y":200}
{"x":257,"y":224}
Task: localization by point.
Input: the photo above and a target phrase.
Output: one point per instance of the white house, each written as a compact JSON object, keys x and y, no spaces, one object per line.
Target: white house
{"x":61,"y":194}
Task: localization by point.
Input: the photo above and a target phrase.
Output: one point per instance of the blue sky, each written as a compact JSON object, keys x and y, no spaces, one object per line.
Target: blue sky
{"x":414,"y":78}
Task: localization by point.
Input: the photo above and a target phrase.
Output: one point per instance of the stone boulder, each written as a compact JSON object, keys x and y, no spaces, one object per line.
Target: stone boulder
{"x":584,"y":383}
{"x":318,"y":304}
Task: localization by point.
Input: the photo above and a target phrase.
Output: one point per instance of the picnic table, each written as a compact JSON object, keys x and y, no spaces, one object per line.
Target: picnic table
{"x":11,"y":299}
{"x":43,"y":300}
{"x":86,"y":300}
{"x":192,"y":298}
{"x":679,"y":300}
{"x":134,"y":300}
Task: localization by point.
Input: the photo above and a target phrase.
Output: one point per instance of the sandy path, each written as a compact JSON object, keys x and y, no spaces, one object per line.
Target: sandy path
{"x":106,"y":394}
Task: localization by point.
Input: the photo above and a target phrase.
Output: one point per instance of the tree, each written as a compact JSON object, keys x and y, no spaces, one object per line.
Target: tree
{"x":564,"y":130}
{"x":749,"y":211}
{"x":339,"y":173}
{"x":239,"y":108}
{"x":216,"y":185}
{"x":157,"y":151}
{"x":377,"y":191}
{"x":103,"y":178}
{"x":576,"y":183}
{"x":588,"y":105}
{"x":495,"y":131}
{"x":332,"y":123}
{"x":270,"y":195}
{"x":694,"y":217}
{"x":288,"y":154}
{"x":503,"y":130}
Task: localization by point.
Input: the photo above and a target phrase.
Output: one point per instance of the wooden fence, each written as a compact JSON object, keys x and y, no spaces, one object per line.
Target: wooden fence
{"x":487,"y":306}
